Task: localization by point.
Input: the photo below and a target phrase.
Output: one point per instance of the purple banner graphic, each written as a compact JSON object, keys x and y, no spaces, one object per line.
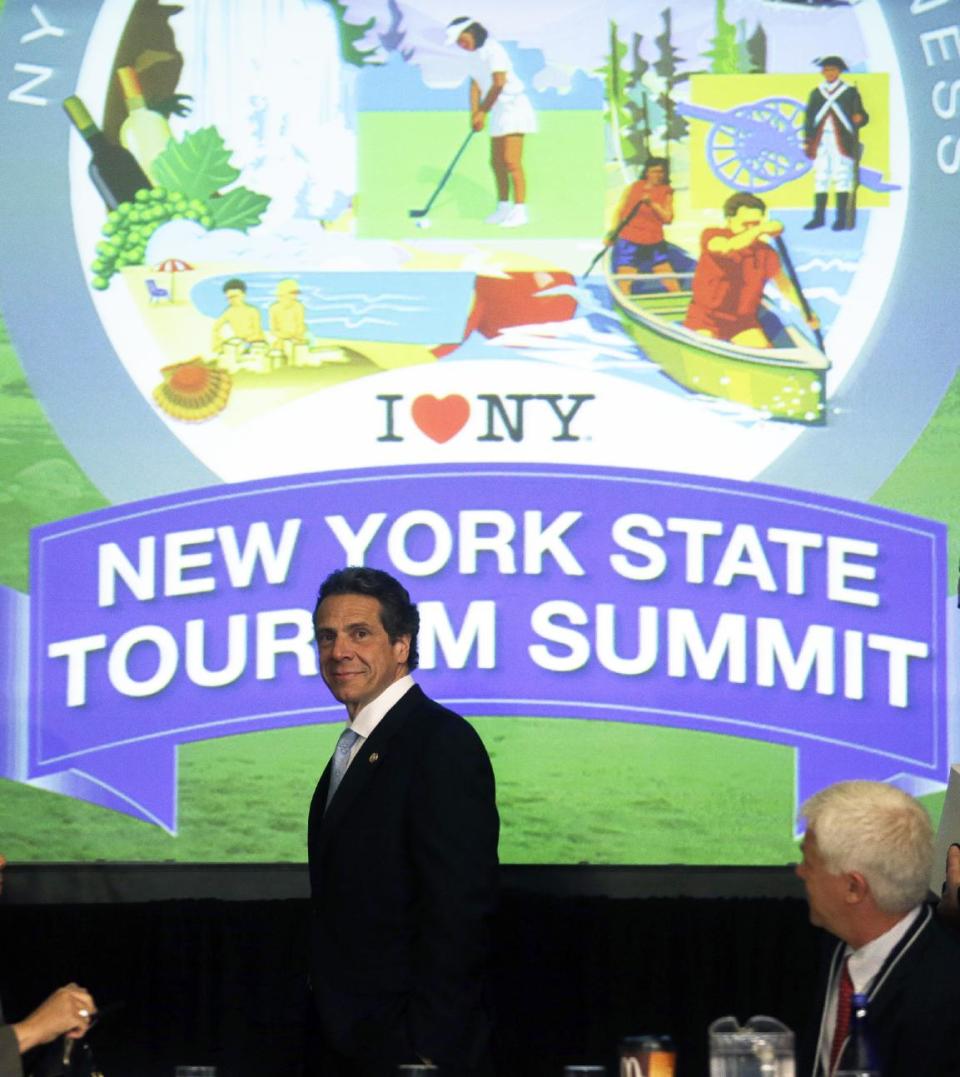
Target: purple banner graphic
{"x":557,"y":591}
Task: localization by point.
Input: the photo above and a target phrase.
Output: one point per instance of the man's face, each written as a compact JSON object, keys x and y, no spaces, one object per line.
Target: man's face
{"x":656,"y":175}
{"x":744,"y":218}
{"x":465,"y":41}
{"x":357,"y":659}
{"x":235,"y":297}
{"x":826,"y":893}
{"x":831,"y":73}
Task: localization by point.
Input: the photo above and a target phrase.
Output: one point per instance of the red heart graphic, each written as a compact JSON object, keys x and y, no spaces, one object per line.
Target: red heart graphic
{"x":440,"y":419}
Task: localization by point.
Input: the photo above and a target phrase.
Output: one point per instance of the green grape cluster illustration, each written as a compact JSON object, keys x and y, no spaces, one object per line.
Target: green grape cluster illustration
{"x":195,"y":181}
{"x":128,"y":229}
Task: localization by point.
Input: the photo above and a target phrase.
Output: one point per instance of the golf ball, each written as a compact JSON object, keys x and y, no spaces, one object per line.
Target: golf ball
{"x":424,"y":222}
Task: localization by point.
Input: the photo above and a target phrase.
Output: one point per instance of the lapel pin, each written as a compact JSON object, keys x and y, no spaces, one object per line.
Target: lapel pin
{"x":373,"y":757}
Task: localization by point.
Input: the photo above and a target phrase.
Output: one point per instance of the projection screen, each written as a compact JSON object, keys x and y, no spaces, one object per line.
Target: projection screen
{"x":672,"y":478}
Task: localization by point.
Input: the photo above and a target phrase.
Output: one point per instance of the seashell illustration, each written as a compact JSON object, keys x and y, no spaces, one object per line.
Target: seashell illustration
{"x":193,"y":390}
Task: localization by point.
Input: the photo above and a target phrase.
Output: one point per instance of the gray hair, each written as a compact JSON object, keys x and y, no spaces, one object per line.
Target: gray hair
{"x":880,"y":832}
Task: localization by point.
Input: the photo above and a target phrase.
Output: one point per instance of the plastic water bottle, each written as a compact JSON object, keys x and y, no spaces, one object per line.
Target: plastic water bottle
{"x":860,"y":1058}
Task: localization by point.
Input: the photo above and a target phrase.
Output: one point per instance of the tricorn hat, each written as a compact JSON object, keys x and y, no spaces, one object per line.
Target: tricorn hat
{"x":831,"y":61}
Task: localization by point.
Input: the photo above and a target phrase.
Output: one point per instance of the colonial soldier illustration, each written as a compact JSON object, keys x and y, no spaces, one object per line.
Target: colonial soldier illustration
{"x":831,"y":134}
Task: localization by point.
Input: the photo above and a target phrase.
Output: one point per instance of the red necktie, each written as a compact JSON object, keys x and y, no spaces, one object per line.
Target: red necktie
{"x":844,"y":998}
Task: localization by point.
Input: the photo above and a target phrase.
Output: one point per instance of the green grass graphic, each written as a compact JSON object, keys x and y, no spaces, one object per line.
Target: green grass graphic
{"x":403,"y":156}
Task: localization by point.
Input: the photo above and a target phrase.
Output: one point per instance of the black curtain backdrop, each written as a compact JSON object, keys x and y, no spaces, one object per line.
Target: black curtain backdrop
{"x":222,"y":982}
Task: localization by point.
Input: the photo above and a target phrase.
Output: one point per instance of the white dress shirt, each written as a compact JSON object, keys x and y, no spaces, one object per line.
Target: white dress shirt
{"x":369,"y":717}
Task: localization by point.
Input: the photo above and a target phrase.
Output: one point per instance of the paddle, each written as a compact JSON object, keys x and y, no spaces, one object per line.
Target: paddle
{"x":613,"y":236}
{"x":795,"y":281}
{"x":443,"y":179}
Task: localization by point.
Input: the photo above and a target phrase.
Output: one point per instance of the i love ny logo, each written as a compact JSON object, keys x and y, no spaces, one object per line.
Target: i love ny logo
{"x":488,"y":417}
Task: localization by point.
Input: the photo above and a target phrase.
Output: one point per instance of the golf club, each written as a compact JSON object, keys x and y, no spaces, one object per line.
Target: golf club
{"x":418,"y":214}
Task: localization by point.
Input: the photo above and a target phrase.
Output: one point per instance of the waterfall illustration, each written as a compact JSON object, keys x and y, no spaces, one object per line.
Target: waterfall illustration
{"x":268,"y":75}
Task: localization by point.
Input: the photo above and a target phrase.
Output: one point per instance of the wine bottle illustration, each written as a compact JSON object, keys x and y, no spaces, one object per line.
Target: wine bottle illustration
{"x":144,"y":133}
{"x":113,"y":169}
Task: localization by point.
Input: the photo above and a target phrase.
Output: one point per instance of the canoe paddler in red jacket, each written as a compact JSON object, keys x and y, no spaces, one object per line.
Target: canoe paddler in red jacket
{"x":735,"y":264}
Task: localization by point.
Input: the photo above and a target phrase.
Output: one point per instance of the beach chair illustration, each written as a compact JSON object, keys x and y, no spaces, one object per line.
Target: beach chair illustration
{"x":156,"y":293}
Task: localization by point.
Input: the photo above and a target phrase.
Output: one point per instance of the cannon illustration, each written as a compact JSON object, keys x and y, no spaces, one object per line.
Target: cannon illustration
{"x":758,"y":146}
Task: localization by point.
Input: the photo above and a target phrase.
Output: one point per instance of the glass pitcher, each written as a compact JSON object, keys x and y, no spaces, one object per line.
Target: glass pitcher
{"x":763,"y":1047}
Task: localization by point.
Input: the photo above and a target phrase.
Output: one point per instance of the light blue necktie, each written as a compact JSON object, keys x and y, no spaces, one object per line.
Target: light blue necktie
{"x":341,"y":757}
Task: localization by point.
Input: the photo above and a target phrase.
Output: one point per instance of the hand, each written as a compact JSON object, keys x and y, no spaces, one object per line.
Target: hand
{"x":771,"y":227}
{"x":68,"y":1010}
{"x":857,"y":118}
{"x":949,"y":908}
{"x":809,"y":151}
{"x":813,"y":321}
{"x":478,"y":119}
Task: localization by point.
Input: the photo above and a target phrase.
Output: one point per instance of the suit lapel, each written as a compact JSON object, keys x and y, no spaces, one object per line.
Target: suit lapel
{"x":315,"y":818}
{"x":886,"y":985}
{"x":373,"y":753}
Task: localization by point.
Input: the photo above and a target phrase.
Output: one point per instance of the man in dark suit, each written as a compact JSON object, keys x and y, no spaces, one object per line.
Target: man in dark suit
{"x":402,"y":844}
{"x":867,"y":855}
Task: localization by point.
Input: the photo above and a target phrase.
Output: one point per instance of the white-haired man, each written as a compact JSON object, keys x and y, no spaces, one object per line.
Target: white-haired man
{"x":867,"y":855}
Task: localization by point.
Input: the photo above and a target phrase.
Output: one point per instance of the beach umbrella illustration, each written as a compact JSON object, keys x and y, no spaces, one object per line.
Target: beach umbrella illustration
{"x":173,"y":266}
